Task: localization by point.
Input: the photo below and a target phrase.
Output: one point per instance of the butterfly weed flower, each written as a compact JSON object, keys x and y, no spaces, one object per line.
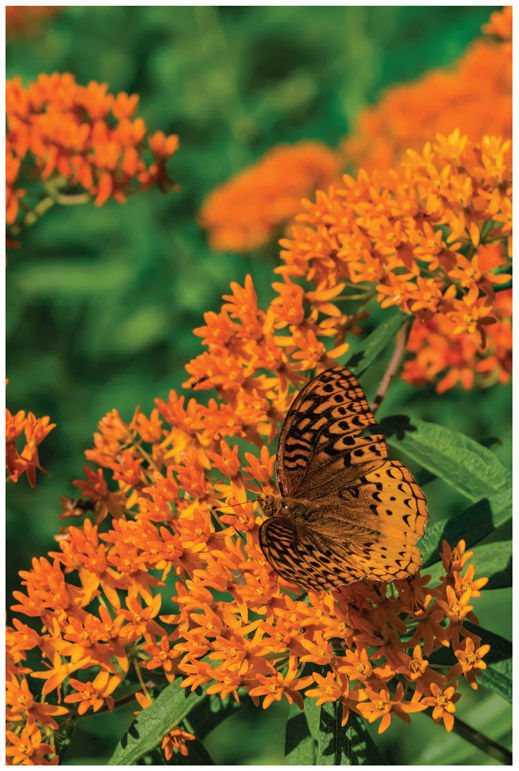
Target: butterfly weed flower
{"x":78,"y":138}
{"x":474,"y":95}
{"x":175,"y":741}
{"x":245,"y":212}
{"x":443,"y":702}
{"x":26,"y":460}
{"x":174,"y":514}
{"x":257,"y":637}
{"x":430,"y":237}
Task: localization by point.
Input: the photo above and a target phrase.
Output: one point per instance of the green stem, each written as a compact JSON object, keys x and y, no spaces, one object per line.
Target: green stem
{"x":401,"y":340}
{"x":31,"y":217}
{"x":479,"y":740}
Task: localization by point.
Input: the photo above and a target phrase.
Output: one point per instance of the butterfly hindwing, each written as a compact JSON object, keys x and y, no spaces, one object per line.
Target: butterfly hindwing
{"x":302,"y":557}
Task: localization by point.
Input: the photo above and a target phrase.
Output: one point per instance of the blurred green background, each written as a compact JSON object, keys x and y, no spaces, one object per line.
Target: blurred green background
{"x":101,"y":302}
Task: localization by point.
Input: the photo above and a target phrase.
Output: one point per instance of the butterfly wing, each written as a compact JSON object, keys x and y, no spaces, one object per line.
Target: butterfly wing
{"x":302,"y":556}
{"x":360,"y":514}
{"x":321,"y":442}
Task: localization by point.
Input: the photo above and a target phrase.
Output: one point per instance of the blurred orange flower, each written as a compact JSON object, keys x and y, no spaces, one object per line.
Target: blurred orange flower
{"x":25,"y":20}
{"x":474,"y":96}
{"x":248,"y":210}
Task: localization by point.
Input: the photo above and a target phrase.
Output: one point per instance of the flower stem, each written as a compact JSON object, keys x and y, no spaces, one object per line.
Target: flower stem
{"x":31,"y":217}
{"x":479,"y":740}
{"x":401,"y":340}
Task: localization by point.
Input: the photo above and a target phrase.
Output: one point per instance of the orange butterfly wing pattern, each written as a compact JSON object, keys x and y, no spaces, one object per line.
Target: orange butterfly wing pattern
{"x":345,"y":512}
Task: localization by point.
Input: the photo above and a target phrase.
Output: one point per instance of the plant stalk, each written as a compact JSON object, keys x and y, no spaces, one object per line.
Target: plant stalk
{"x":480,"y":740}
{"x":401,"y":340}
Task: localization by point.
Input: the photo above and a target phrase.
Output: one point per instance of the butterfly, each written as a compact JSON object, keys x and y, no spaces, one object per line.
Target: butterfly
{"x":344,"y":512}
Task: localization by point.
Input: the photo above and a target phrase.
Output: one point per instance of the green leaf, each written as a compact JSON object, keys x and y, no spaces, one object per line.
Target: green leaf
{"x":472,"y":524}
{"x":344,"y":745}
{"x":375,"y":343}
{"x":313,"y":717}
{"x":463,"y":463}
{"x":210,"y":712}
{"x":299,"y":744}
{"x":492,"y":560}
{"x":489,"y":715}
{"x":169,"y":708}
{"x":331,"y":744}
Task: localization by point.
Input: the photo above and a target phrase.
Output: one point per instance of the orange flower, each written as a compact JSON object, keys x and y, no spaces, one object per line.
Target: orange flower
{"x":21,"y":705}
{"x":245,"y":212}
{"x":443,"y":703}
{"x":474,"y":96}
{"x":329,"y":688}
{"x":93,"y":694}
{"x":470,"y":662}
{"x":430,"y":238}
{"x":80,"y":135}
{"x":273,"y":687}
{"x":35,"y":430}
{"x":28,"y":749}
{"x":381,"y":705}
{"x":175,"y":741}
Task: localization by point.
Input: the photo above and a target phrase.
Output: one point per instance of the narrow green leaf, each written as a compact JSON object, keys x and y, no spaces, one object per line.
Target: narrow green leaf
{"x":362,"y":749}
{"x":171,"y":707}
{"x":492,"y":717}
{"x":313,"y":717}
{"x":345,"y":746}
{"x":492,"y":560}
{"x":375,"y":343}
{"x":210,"y":712}
{"x":331,"y":745}
{"x":299,"y":744}
{"x":472,"y":524}
{"x":463,"y":463}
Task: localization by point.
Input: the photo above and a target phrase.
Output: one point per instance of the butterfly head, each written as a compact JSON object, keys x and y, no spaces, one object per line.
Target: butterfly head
{"x":271,"y":505}
{"x":276,"y":506}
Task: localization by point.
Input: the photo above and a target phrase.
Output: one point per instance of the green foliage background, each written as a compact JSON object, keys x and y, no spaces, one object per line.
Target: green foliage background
{"x":101,"y":303}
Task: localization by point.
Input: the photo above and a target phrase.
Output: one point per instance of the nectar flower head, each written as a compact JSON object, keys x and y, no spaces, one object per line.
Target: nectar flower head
{"x":474,"y":96}
{"x":430,"y":237}
{"x":249,"y":209}
{"x":79,"y":137}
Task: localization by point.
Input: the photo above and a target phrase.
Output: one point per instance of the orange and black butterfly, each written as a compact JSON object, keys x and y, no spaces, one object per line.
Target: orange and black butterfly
{"x":344,"y":512}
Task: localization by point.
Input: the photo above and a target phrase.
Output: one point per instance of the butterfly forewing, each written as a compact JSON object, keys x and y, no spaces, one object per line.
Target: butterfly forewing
{"x":348,"y":513}
{"x":321,"y":436}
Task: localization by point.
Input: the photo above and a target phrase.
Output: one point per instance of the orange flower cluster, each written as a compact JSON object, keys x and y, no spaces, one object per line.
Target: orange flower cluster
{"x":25,"y":461}
{"x":475,"y":97}
{"x":24,"y":20}
{"x":171,"y":491}
{"x":458,"y":358}
{"x":248,"y":210}
{"x":79,"y":137}
{"x":431,"y":238}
